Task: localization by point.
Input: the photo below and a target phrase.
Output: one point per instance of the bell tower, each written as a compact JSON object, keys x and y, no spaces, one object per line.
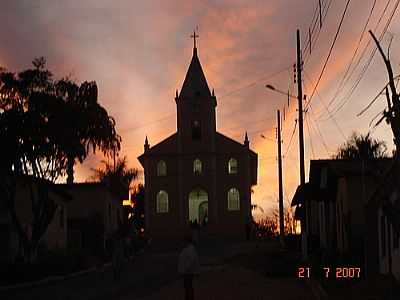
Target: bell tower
{"x":196,"y":121}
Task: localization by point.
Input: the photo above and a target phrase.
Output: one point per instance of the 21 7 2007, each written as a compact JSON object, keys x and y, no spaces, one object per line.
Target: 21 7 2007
{"x":338,"y":272}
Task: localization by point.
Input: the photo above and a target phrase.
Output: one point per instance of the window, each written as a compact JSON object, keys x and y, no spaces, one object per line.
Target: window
{"x":197,"y":166}
{"x":196,"y":130}
{"x":233,"y":199}
{"x":161,"y":168}
{"x":232,"y":166}
{"x":162,"y":202}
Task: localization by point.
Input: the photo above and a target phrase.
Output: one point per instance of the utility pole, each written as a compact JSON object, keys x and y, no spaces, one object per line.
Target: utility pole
{"x":281,"y":220}
{"x":304,"y":221}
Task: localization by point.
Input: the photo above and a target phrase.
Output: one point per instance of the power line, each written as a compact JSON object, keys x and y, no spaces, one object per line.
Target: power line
{"x":309,"y":135}
{"x":327,"y":110}
{"x":358,"y":63}
{"x":318,"y":131}
{"x":366,"y":66}
{"x":168,"y":116}
{"x":291,"y":138}
{"x":325,"y":10}
{"x":339,"y":88}
{"x":329,"y":54}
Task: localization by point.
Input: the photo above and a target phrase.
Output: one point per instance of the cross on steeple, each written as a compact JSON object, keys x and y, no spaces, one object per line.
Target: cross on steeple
{"x":194,"y":36}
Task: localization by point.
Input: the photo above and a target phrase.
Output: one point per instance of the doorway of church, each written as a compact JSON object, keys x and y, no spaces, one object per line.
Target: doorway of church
{"x":198,"y":206}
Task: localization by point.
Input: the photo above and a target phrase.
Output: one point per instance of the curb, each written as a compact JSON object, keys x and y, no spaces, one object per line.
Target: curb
{"x":47,"y":280}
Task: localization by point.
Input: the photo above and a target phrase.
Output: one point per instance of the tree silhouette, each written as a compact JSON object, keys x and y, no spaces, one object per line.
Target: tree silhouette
{"x":90,"y":127}
{"x":44,"y":126}
{"x":138,"y":199}
{"x":362,"y":147}
{"x":118,"y":177}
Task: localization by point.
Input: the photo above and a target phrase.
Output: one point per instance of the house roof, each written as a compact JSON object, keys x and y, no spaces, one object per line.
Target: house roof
{"x":195,"y":83}
{"x":169,"y":145}
{"x":337,"y":168}
{"x":65,"y":196}
{"x":86,"y":185}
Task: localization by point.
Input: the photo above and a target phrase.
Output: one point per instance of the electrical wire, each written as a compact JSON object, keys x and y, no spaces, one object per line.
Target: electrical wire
{"x":359,"y":60}
{"x":318,"y":131}
{"x":366,"y":66}
{"x":329,"y":54}
{"x":341,"y":84}
{"x":309,"y":135}
{"x":327,"y":110}
{"x":291,"y":138}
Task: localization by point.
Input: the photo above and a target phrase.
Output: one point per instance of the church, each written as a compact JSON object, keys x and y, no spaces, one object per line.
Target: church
{"x":197,"y":175}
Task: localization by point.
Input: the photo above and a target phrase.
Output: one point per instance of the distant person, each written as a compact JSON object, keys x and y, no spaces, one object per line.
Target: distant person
{"x":188,"y":266}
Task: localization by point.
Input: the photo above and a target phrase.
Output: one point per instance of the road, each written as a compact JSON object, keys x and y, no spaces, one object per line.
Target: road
{"x":229,"y":271}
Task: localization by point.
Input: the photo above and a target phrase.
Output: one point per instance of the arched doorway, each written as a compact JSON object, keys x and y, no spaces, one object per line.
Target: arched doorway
{"x":198,"y":205}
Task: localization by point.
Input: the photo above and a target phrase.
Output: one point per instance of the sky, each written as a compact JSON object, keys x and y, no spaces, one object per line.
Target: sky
{"x":138,"y":52}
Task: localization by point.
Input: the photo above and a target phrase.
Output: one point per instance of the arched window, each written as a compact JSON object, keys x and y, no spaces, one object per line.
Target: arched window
{"x":162,"y":202}
{"x":197,"y":166}
{"x":232,"y":166}
{"x":233,"y":199}
{"x":161,"y":168}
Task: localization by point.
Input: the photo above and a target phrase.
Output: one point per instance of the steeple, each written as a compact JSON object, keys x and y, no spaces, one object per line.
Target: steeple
{"x":195,"y":83}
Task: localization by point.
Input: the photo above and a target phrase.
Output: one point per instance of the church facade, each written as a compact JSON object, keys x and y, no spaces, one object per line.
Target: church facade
{"x":197,"y":174}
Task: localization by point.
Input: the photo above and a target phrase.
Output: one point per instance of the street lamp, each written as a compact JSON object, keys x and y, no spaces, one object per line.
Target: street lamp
{"x":272,"y":88}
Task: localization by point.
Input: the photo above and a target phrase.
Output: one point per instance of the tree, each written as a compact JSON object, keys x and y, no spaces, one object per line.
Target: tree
{"x":118,"y":177}
{"x":392,"y":114}
{"x":362,"y":147}
{"x":44,"y":127}
{"x":138,"y":198}
{"x":89,"y":124}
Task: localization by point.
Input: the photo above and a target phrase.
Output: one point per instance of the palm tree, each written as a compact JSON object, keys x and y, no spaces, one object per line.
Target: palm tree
{"x":362,"y":147}
{"x":118,"y":177}
{"x":90,"y":127}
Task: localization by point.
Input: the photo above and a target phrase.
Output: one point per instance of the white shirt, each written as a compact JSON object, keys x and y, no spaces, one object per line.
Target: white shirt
{"x":189,"y":261}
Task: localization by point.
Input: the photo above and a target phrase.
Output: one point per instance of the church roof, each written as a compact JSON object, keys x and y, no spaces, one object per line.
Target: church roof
{"x":195,"y":83}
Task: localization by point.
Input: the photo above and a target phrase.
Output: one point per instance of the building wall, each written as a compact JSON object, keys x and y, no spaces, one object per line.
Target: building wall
{"x":388,"y":248}
{"x":55,"y":237}
{"x":92,"y":200}
{"x":176,"y":221}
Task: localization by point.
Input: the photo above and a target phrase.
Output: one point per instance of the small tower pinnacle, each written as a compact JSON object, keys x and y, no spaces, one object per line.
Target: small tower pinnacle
{"x":246,"y":140}
{"x":146,"y":144}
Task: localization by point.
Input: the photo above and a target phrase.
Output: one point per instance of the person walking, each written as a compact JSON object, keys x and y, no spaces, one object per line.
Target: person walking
{"x":188,"y":266}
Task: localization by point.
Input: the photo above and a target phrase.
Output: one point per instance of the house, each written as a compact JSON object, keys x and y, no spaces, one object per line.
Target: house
{"x":95,"y":213}
{"x":55,"y":236}
{"x":383,"y":228}
{"x":338,"y":192}
{"x":197,"y":174}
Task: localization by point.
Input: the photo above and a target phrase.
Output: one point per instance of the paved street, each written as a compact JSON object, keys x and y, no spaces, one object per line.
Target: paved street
{"x":229,"y":271}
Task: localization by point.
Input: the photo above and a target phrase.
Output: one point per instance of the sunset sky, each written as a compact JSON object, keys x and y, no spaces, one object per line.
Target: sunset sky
{"x":138,"y":52}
